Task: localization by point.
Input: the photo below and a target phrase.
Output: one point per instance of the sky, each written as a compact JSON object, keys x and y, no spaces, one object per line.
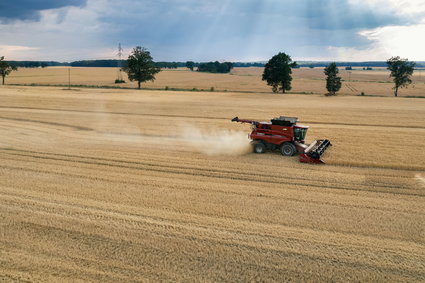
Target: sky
{"x":209,"y":30}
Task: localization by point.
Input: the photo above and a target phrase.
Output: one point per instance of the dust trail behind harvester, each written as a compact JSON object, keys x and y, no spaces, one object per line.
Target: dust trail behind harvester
{"x":120,"y":129}
{"x":216,"y":142}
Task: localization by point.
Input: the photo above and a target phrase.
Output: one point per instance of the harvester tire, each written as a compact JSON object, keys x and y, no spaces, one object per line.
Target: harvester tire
{"x":259,"y":147}
{"x":288,"y":149}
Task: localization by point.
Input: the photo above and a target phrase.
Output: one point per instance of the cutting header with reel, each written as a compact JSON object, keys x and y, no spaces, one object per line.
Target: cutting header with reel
{"x":285,"y":135}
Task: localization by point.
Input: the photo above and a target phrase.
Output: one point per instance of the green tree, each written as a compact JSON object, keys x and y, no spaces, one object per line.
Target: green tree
{"x":190,"y":65}
{"x":140,"y":66}
{"x":277,"y":72}
{"x":333,"y":81}
{"x":215,"y":67}
{"x":401,"y":70}
{"x":5,"y":68}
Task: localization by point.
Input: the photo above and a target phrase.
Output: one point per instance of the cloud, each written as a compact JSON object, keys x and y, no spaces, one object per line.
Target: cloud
{"x":387,"y":42}
{"x":69,"y":33}
{"x":390,"y":40}
{"x":403,"y":7}
{"x":223,"y":29}
{"x":30,"y":10}
{"x":16,"y":51}
{"x":203,"y":30}
{"x":13,"y":48}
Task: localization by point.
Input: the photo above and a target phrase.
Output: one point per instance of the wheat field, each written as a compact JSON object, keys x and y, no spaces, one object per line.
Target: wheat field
{"x":374,"y":82}
{"x":125,"y":185}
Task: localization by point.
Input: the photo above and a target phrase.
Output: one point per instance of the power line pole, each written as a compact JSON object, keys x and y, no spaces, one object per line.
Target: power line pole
{"x":119,"y":65}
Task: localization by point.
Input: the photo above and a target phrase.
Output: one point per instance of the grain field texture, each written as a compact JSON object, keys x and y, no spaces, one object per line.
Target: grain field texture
{"x":374,"y":82}
{"x":126,"y":185}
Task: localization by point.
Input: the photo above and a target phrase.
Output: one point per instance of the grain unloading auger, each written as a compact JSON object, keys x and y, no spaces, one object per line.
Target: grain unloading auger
{"x":285,"y":135}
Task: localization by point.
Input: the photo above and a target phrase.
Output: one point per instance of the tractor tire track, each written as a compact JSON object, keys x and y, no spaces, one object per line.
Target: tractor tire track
{"x":98,"y":186}
{"x":212,"y":173}
{"x":165,"y":164}
{"x":225,"y":192}
{"x":48,"y":123}
{"x":207,"y":118}
{"x":141,"y":230}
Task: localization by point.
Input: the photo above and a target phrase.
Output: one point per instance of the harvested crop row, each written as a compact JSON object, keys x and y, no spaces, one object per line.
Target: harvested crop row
{"x":102,"y":186}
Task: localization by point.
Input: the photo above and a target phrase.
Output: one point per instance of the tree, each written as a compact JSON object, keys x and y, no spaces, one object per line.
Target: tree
{"x":140,"y":66}
{"x":277,"y":72}
{"x":215,"y":67}
{"x":190,"y":65}
{"x":5,"y":68}
{"x":401,"y":70}
{"x":333,"y":81}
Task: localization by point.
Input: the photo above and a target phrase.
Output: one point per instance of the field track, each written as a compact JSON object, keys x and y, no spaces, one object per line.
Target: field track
{"x":126,"y":185}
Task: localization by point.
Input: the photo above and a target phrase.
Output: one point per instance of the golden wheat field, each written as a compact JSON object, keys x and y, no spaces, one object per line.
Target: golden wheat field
{"x":374,"y":82}
{"x":126,"y":185}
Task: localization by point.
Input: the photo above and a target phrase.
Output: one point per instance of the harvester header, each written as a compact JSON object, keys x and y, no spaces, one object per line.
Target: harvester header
{"x":285,"y":135}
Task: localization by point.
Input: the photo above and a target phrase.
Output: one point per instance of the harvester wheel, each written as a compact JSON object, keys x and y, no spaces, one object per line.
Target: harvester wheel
{"x":259,"y":147}
{"x":288,"y":149}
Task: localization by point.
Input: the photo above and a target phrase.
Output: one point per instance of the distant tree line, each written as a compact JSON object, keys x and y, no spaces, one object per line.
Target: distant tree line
{"x":248,"y":64}
{"x":171,"y":65}
{"x":97,"y":63}
{"x":351,"y":64}
{"x":36,"y":64}
{"x":114,"y":63}
{"x":215,"y":67}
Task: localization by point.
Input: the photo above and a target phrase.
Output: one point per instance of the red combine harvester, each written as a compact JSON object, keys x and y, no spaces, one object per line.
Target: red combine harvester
{"x":285,"y":135}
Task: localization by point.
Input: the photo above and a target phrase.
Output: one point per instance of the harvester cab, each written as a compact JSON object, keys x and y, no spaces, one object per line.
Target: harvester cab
{"x":285,"y":135}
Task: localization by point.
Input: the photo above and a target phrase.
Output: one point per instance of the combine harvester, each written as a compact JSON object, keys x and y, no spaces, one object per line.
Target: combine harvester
{"x":285,"y":135}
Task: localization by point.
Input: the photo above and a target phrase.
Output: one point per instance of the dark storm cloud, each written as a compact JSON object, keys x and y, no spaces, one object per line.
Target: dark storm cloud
{"x":316,"y":14}
{"x":185,"y":19}
{"x":204,"y":29}
{"x":30,"y":9}
{"x":339,"y":14}
{"x":234,"y":25}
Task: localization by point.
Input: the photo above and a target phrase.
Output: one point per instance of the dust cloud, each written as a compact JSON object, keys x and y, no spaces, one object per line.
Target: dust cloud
{"x":211,"y":141}
{"x":216,"y":142}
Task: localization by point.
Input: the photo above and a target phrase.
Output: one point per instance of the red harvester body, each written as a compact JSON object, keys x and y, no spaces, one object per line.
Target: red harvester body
{"x":285,"y":135}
